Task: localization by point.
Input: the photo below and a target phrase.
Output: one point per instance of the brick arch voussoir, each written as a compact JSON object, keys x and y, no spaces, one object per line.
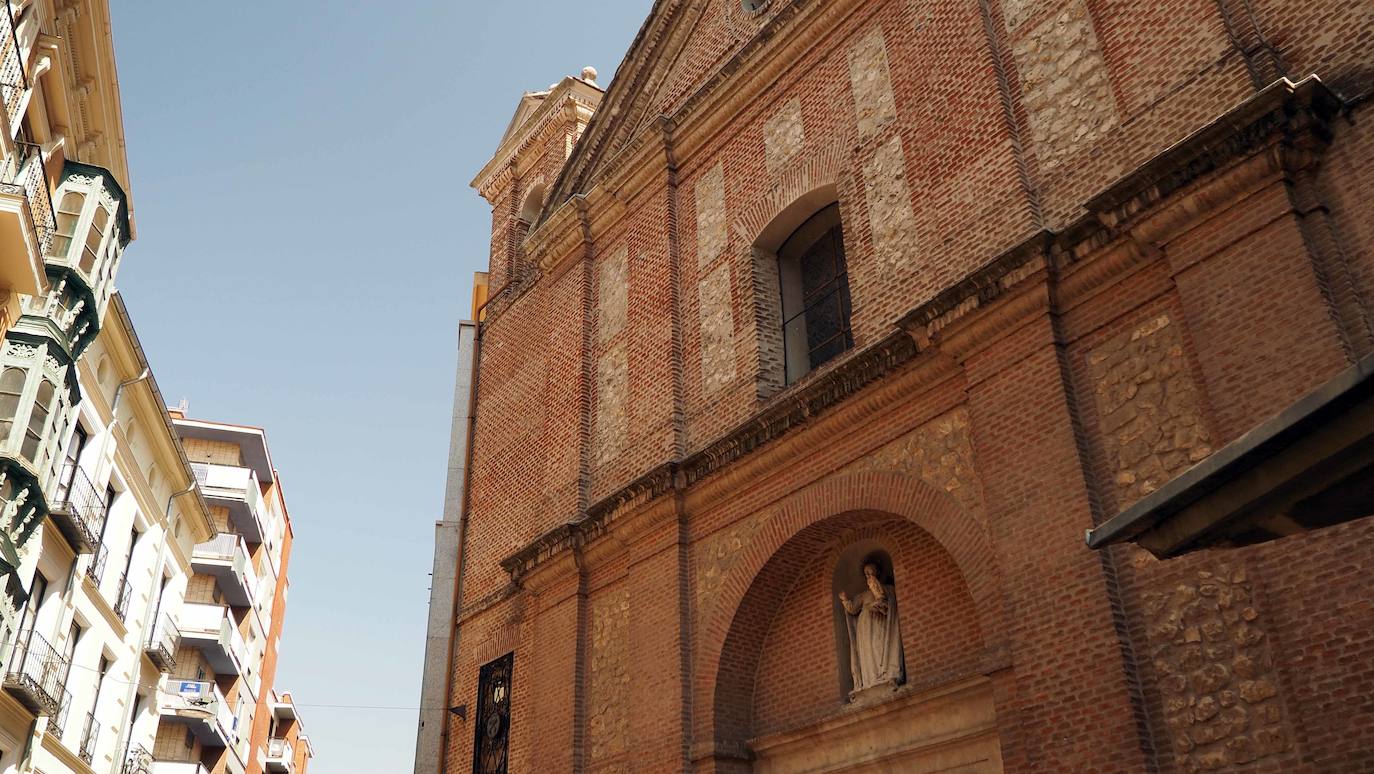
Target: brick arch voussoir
{"x":825,"y":167}
{"x":960,"y":533}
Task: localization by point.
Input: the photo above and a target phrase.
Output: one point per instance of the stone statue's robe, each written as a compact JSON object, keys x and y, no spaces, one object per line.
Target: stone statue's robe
{"x":875,"y":639}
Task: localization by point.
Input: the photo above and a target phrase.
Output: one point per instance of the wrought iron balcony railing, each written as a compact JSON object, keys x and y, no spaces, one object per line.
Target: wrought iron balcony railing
{"x":78,"y":509}
{"x":140,"y":761}
{"x":162,"y":644}
{"x":89,"y":736}
{"x":13,"y":80}
{"x":57,"y":724}
{"x":96,"y":569}
{"x":25,"y":175}
{"x":122,"y":597}
{"x":34,"y":674}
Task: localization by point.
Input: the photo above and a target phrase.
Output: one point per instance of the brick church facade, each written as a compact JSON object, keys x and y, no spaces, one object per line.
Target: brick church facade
{"x":936,"y":287}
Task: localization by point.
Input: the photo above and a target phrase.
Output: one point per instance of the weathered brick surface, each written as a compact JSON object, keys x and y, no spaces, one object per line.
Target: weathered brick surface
{"x":694,"y":610}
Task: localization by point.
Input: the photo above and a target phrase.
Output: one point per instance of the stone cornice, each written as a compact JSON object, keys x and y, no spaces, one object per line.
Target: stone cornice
{"x":792,"y":409}
{"x":571,"y":94}
{"x":1297,"y":112}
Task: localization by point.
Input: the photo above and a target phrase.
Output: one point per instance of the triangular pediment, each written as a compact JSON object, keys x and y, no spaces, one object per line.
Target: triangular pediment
{"x":679,"y":45}
{"x":529,"y":103}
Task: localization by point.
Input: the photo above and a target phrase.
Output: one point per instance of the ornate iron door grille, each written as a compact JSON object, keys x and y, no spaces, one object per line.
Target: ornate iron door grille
{"x":493,"y":717}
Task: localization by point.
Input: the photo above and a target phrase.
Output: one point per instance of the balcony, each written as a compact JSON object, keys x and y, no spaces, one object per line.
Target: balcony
{"x":78,"y":510}
{"x":33,"y":674}
{"x":280,"y":756}
{"x":90,"y":734}
{"x":96,"y":569}
{"x":238,"y":490}
{"x":14,"y":81}
{"x":57,"y":724}
{"x":161,"y":647}
{"x":140,"y":761}
{"x":123,"y":594}
{"x":211,"y":628}
{"x":202,"y":708}
{"x":226,"y":558}
{"x":92,"y":230}
{"x":26,"y":217}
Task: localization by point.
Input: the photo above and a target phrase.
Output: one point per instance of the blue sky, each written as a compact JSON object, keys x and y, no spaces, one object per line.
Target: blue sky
{"x":306,"y":243}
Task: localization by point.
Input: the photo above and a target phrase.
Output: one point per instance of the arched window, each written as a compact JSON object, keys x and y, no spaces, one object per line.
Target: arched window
{"x":94,"y":237}
{"x":534,"y":202}
{"x":68,"y":213}
{"x":814,"y":283}
{"x":11,"y":392}
{"x":38,"y":420}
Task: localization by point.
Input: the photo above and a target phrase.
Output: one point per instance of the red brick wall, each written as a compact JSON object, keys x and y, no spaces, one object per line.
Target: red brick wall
{"x":1144,"y":341}
{"x":940,"y":637}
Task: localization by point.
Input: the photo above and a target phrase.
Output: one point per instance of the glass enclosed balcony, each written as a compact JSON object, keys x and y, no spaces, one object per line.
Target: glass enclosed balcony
{"x":26,"y":217}
{"x":211,"y":628}
{"x":226,"y":557}
{"x":202,"y":708}
{"x":237,"y":489}
{"x":91,"y":230}
{"x":38,"y":396}
{"x":280,"y":756}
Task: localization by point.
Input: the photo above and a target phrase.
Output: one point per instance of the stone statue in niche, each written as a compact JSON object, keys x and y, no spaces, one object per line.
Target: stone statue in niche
{"x":875,"y":633}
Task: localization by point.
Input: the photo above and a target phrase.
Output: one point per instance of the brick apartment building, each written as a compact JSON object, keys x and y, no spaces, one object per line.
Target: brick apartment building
{"x":935,"y":289}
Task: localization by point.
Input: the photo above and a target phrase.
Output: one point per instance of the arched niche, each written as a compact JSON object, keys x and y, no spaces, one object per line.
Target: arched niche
{"x":783,"y":671}
{"x":532,"y":204}
{"x":847,"y":575}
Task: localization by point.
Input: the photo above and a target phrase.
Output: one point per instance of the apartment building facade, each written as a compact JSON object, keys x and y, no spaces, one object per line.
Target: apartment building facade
{"x":99,"y":514}
{"x":232,"y":616}
{"x":117,"y":576}
{"x":819,"y":341}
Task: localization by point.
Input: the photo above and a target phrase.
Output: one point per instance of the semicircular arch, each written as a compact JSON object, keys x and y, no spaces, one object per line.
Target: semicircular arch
{"x":897,"y":495}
